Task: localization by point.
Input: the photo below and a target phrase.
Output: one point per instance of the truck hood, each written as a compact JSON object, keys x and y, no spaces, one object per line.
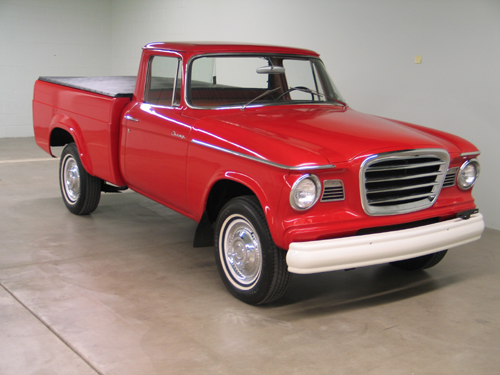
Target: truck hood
{"x":313,"y":135}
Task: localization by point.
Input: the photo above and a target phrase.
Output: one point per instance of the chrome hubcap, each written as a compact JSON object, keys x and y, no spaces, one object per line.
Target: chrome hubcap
{"x":242,"y":250}
{"x":71,"y":179}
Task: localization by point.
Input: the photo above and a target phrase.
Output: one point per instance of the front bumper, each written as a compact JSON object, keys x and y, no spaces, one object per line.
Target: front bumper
{"x":366,"y":250}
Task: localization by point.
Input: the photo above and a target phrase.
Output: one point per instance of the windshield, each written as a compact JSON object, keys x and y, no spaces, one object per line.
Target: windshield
{"x":224,"y":81}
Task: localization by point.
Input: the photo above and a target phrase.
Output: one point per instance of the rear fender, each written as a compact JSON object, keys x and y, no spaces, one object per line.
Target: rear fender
{"x":64,"y":122}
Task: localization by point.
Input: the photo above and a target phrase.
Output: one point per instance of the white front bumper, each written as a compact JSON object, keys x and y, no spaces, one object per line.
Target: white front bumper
{"x":367,"y":250}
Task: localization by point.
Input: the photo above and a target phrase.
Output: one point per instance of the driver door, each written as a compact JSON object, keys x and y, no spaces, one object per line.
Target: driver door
{"x":156,"y":139}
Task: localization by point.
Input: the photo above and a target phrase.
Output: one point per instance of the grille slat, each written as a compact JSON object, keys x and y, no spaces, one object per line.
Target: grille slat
{"x":333,"y":190}
{"x":374,"y":191}
{"x":402,"y":182}
{"x":399,"y":199}
{"x":411,"y":166}
{"x":451,"y":177}
{"x":402,"y":178}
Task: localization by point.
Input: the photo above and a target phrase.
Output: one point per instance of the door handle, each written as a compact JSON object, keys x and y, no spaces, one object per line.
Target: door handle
{"x":128,"y":117}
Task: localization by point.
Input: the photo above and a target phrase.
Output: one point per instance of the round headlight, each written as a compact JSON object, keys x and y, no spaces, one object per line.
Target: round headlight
{"x":468,"y":173}
{"x":305,"y":192}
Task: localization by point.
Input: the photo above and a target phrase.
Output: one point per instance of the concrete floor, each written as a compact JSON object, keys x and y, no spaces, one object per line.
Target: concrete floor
{"x":122,"y":291}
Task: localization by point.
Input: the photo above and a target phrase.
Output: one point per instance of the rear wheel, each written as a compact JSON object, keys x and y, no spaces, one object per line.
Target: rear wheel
{"x":251,"y":266}
{"x":81,"y":192}
{"x":420,"y":263}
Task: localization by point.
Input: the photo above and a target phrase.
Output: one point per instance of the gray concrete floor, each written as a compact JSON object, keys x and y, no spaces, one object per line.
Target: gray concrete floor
{"x":122,"y":291}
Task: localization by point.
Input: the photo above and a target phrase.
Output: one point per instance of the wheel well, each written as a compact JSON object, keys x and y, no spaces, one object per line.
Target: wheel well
{"x":60,"y":137}
{"x":222,"y":192}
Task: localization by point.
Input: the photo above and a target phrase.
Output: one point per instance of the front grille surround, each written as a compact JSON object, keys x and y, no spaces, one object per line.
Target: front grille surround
{"x":402,"y":182}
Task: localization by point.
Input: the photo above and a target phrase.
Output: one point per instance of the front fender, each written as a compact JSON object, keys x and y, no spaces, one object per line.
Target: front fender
{"x":267,"y":185}
{"x":269,"y":200}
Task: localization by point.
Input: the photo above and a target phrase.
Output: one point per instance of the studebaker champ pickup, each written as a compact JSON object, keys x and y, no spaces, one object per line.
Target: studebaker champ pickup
{"x":256,"y":144}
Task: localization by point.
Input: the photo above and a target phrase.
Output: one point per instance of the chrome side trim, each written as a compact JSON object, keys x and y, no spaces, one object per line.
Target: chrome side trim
{"x":471,"y":153}
{"x":263,"y":161}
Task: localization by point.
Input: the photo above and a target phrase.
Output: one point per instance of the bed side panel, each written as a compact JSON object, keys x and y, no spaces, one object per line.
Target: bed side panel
{"x":93,"y":120}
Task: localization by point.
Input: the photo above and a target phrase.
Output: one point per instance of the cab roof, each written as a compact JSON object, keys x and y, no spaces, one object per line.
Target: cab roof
{"x":223,"y":47}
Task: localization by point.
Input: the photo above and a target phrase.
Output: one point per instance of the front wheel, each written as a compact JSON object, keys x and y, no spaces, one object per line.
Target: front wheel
{"x":251,"y":266}
{"x":420,"y":263}
{"x":81,"y":192}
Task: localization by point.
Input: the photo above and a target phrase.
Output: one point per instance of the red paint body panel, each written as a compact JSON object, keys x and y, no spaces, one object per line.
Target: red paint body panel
{"x":93,"y":120}
{"x":153,"y":160}
{"x":176,"y":155}
{"x":194,"y":48}
{"x":311,"y":135}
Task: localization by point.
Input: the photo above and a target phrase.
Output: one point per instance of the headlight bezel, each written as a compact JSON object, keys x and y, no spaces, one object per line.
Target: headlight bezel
{"x":462,"y":178}
{"x":301,"y":180}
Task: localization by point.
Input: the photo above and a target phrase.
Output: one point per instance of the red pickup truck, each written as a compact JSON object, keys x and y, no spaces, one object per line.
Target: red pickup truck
{"x":256,"y":144}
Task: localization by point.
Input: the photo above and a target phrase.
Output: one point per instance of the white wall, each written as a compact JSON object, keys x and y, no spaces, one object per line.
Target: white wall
{"x":368,"y":46}
{"x":47,"y":37}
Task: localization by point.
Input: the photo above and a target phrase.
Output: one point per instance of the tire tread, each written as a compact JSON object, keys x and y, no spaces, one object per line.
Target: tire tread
{"x":90,"y":186}
{"x":275,"y":286}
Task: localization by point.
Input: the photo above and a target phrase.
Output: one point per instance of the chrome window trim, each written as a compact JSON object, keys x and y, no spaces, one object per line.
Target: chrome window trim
{"x":147,"y":81}
{"x":189,"y":63}
{"x":174,"y":88}
{"x":263,"y":161}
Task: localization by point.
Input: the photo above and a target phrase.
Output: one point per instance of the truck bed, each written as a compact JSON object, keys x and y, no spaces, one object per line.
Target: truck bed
{"x":112,"y":86}
{"x":89,"y":109}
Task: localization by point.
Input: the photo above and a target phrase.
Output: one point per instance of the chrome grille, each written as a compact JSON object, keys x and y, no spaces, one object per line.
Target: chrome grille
{"x":402,"y":182}
{"x":333,"y":190}
{"x":451,"y":177}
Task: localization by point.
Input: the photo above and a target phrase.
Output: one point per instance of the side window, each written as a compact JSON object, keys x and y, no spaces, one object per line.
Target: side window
{"x":164,"y":81}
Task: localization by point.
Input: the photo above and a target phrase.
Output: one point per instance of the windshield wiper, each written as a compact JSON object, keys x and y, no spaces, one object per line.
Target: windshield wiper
{"x":267,"y":92}
{"x":312,"y":92}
